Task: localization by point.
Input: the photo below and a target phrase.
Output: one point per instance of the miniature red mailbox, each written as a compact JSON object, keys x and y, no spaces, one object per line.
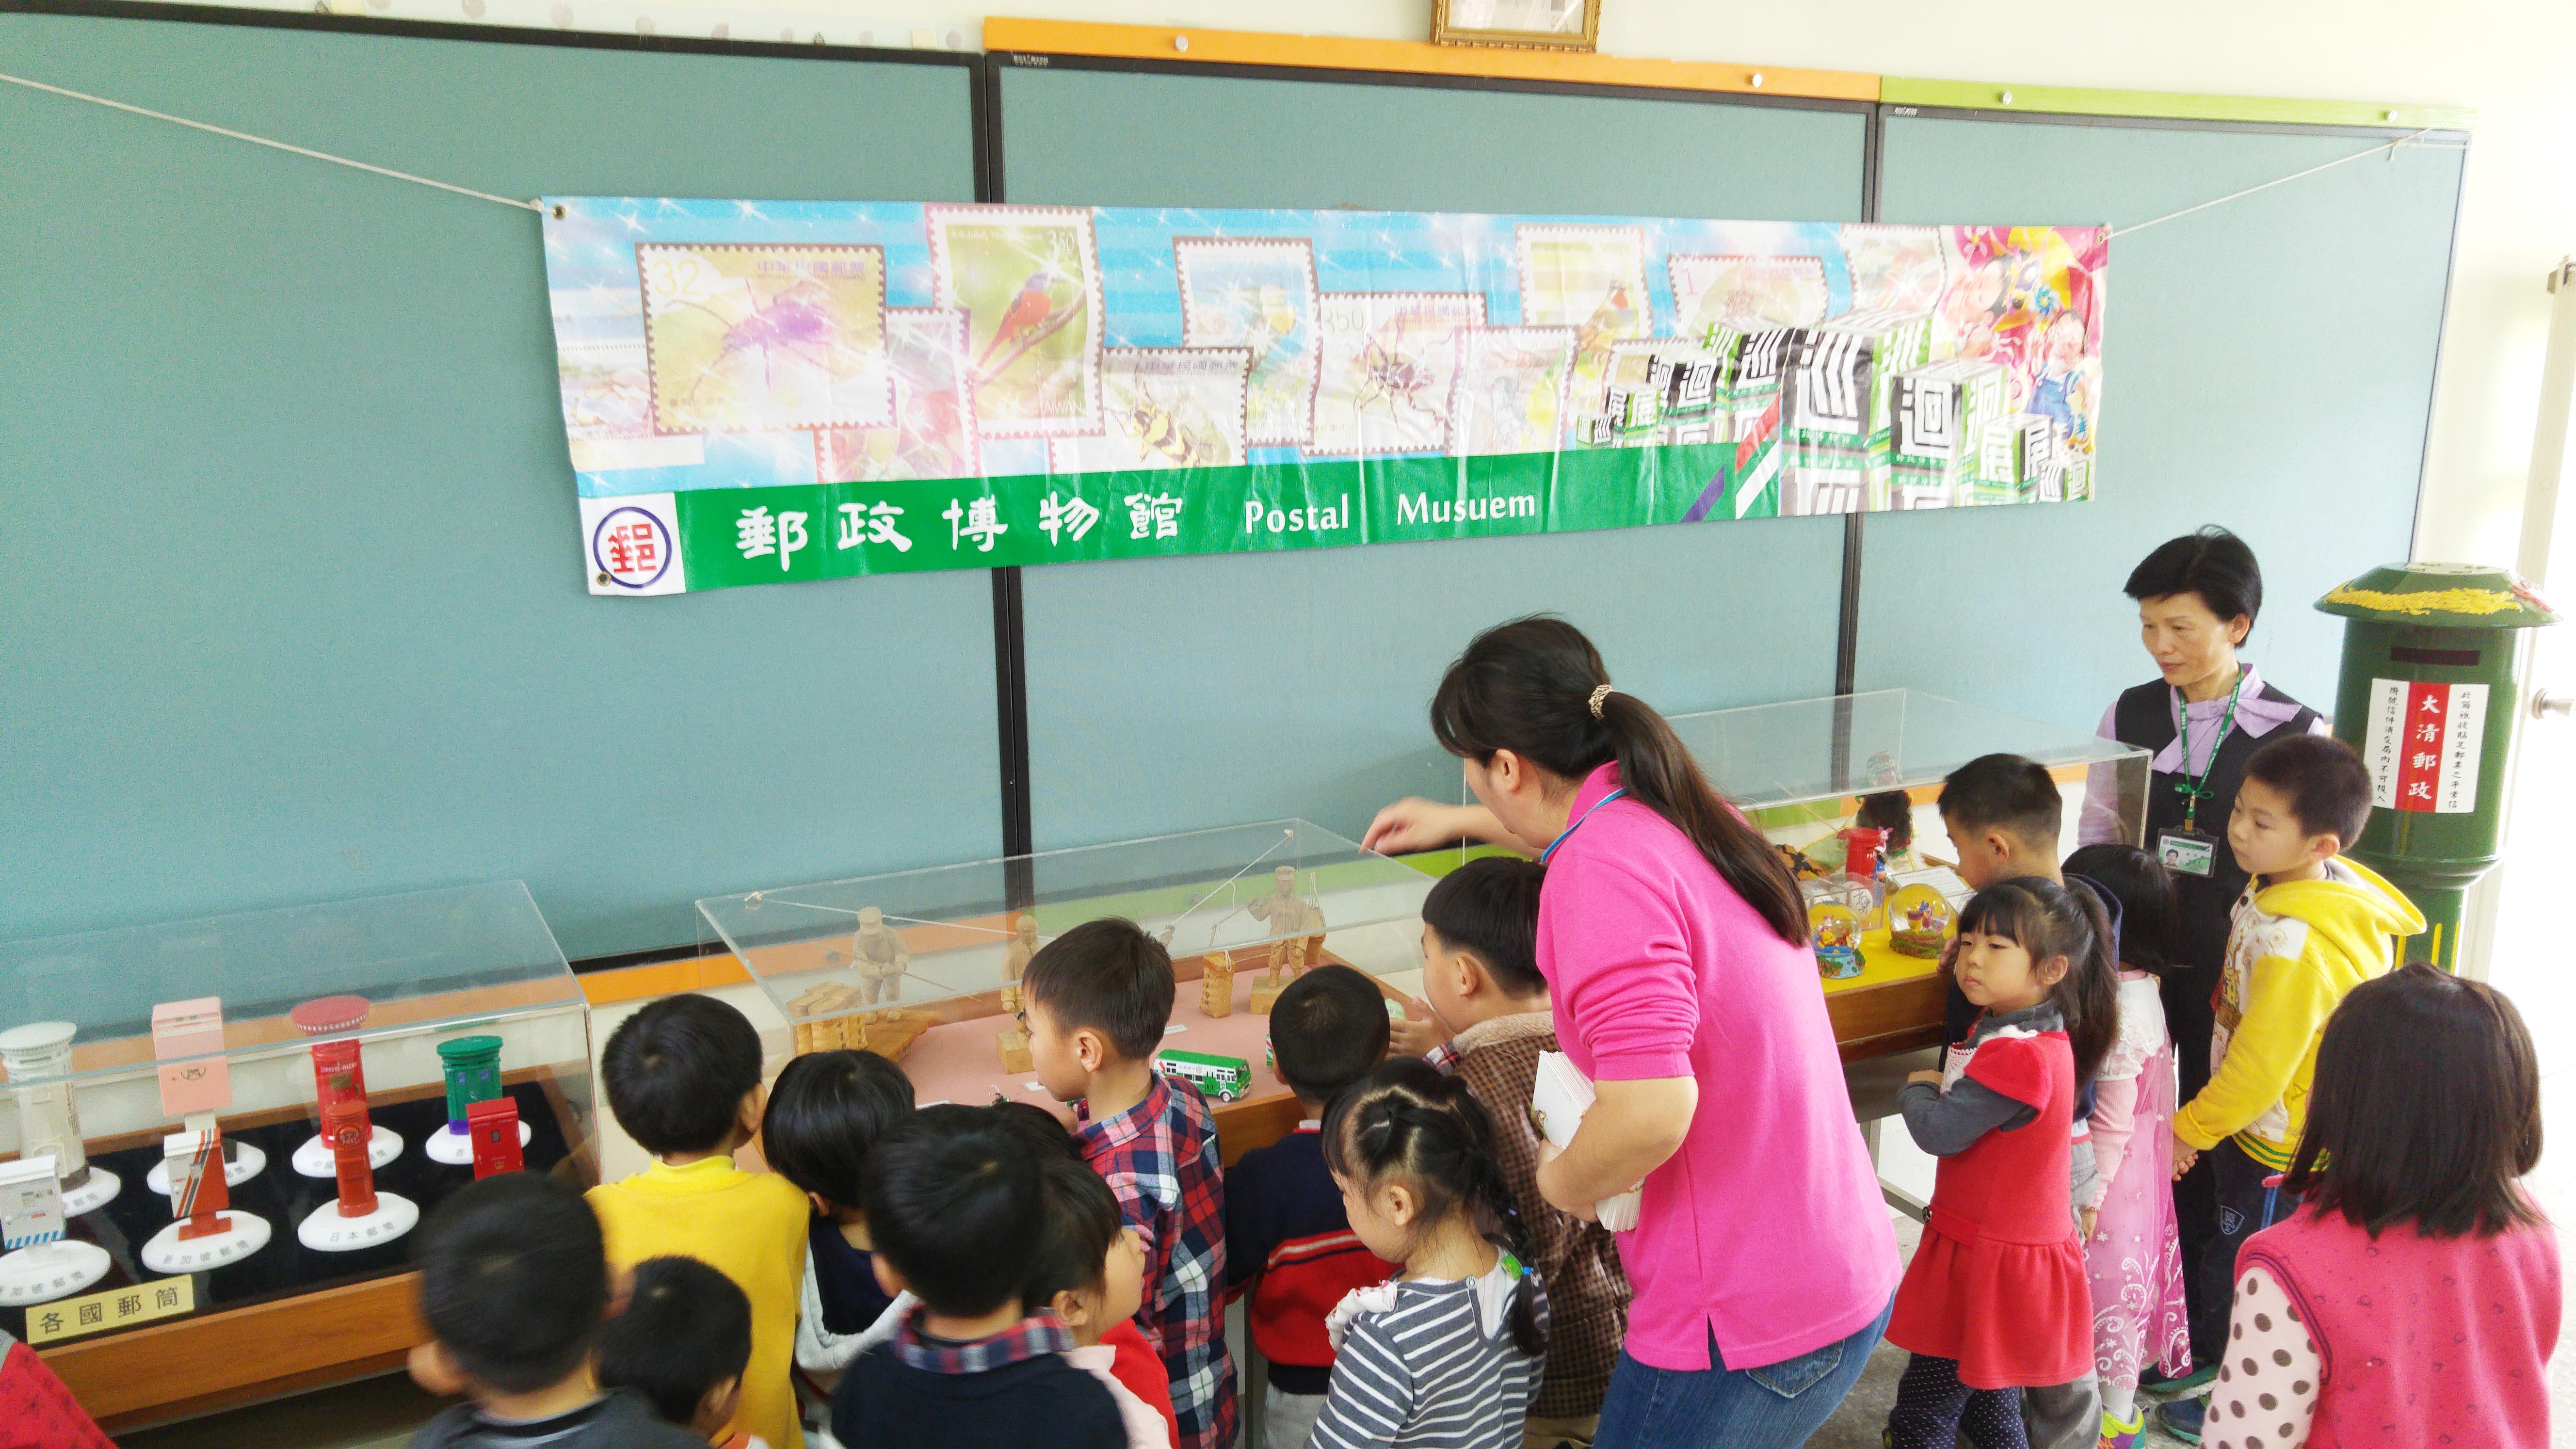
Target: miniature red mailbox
{"x":494,"y":1126}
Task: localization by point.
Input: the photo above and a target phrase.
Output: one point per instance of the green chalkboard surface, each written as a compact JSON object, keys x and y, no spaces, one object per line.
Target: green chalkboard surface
{"x":289,"y":607}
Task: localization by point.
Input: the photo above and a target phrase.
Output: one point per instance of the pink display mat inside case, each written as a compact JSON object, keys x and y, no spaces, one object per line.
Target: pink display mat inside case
{"x":958,"y":1061}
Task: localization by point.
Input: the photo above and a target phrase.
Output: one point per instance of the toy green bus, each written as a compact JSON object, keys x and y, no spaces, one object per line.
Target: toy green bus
{"x":1223,"y":1079}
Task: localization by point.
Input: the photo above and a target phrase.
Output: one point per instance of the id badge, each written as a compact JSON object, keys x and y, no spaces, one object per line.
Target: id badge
{"x":2186,"y":853}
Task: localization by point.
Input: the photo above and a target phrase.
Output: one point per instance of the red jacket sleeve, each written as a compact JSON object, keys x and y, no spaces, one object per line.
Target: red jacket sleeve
{"x":2012,"y":1067}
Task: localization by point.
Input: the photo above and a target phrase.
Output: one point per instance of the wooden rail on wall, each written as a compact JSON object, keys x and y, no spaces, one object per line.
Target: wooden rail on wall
{"x":1416,"y":57}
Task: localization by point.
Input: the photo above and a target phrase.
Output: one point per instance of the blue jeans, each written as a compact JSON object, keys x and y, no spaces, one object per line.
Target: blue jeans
{"x":1776,"y":1406}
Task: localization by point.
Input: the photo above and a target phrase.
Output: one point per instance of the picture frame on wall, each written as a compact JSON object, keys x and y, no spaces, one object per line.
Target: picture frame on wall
{"x":1531,"y":24}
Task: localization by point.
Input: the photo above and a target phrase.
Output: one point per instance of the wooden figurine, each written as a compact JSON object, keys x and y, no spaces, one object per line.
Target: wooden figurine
{"x":1216,"y":985}
{"x":1296,"y":920}
{"x":887,"y":1033}
{"x":497,"y":1133}
{"x":821,"y":1001}
{"x":882,"y":957}
{"x":1024,"y":944}
{"x":1014,"y":1048}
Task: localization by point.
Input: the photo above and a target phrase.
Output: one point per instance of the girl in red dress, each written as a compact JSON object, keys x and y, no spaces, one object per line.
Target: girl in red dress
{"x":1996,"y":1298}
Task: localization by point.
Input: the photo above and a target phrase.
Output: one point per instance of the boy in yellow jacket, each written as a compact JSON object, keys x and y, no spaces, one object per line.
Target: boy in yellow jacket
{"x":2310,"y":927}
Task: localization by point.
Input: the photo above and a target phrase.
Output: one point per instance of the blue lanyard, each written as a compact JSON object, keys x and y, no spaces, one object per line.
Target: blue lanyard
{"x":1578,"y":823}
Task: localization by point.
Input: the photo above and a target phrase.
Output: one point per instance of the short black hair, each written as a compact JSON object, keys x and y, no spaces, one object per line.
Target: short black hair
{"x":1082,"y":1222}
{"x":1327,"y":1030}
{"x":1891,"y":811}
{"x":1488,"y":908}
{"x":957,"y":1212}
{"x":686,"y":1329}
{"x":1041,"y":1130}
{"x":826,"y":1110}
{"x":2006,"y":792}
{"x":2145,"y":891}
{"x":1107,"y":975}
{"x":2212,"y":563}
{"x":513,"y":1280}
{"x":677,"y":1071}
{"x":2326,"y":783}
{"x":2426,"y":1109}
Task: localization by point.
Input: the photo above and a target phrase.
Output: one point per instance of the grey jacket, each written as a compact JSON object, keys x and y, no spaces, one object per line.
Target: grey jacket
{"x":619,"y":1420}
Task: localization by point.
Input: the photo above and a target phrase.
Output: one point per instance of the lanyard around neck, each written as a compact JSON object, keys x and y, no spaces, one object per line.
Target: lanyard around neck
{"x":1578,"y":823}
{"x":2195,"y":788}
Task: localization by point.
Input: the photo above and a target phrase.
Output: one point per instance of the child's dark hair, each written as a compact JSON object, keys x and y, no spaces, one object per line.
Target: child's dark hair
{"x":2047,"y":919}
{"x":1488,"y":908}
{"x":956,"y":1211}
{"x":686,"y":1329}
{"x":1327,"y":1030}
{"x":2212,"y":563}
{"x":826,"y":1110}
{"x":1082,"y":1222}
{"x":1891,"y":811}
{"x":2145,"y":891}
{"x":1528,"y":686}
{"x":1411,"y":1121}
{"x":2327,"y":785}
{"x":1107,"y":975}
{"x":1040,"y":1130}
{"x":2007,"y":793}
{"x":513,"y":1280}
{"x":677,"y":1071}
{"x":2426,"y":1109}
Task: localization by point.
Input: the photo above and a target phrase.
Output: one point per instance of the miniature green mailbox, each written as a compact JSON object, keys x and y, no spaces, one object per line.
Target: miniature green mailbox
{"x":472,"y":1066}
{"x":2433,"y":666}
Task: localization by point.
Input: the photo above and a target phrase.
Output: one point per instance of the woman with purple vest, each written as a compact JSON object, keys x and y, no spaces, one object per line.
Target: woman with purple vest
{"x":2413,"y":1297}
{"x":1674,"y":944}
{"x":2201,"y":719}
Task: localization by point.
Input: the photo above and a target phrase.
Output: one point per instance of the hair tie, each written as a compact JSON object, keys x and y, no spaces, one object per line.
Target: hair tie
{"x":1598,"y":695}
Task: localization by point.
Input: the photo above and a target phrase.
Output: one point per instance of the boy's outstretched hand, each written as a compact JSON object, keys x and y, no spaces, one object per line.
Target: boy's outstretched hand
{"x":2184,"y":1155}
{"x":1418,"y":1033}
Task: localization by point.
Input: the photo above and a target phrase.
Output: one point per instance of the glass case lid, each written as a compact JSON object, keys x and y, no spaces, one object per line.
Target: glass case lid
{"x":1230,"y":888}
{"x":422,"y":960}
{"x":1888,"y":739}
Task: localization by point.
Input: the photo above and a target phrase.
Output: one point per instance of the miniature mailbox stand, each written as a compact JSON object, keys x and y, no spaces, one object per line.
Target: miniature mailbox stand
{"x":494,"y":1128}
{"x":197,"y":1084}
{"x":320,"y":1156}
{"x":361,"y":1216}
{"x":38,"y":1057}
{"x":471,"y":1066}
{"x":207,"y":1232}
{"x":40,"y":1265}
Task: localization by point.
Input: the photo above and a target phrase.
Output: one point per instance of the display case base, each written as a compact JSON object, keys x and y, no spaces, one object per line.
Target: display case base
{"x":326,"y":1231}
{"x":100,"y":1190}
{"x":245,"y":1234}
{"x":49,"y":1271}
{"x":451,"y":1148}
{"x":313,"y":1159}
{"x":246,"y":1163}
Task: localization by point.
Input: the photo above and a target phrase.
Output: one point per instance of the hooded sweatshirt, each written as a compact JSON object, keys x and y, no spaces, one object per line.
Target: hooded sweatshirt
{"x":2293,"y":951}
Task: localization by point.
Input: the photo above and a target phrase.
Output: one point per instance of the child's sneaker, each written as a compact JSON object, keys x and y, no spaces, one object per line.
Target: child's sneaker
{"x":2154,"y":1382}
{"x":2182,"y":1418}
{"x":2116,"y":1435}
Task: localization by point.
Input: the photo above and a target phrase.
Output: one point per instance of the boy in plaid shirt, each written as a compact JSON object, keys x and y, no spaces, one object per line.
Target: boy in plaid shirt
{"x":1098,"y":998}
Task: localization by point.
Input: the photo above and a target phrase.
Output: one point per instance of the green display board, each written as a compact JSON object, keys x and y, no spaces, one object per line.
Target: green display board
{"x":292,"y":604}
{"x":1182,"y":693}
{"x":2271,"y":370}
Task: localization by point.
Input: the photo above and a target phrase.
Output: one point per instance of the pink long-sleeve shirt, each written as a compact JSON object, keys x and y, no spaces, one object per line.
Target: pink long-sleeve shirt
{"x":1766,"y":1230}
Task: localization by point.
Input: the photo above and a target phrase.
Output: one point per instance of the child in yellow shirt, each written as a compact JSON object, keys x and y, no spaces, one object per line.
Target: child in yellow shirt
{"x":683,"y":1079}
{"x":2309,"y":928}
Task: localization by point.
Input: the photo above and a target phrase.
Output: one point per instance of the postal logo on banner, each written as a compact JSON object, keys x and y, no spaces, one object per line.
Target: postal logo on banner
{"x":632,"y":546}
{"x":2423,"y":745}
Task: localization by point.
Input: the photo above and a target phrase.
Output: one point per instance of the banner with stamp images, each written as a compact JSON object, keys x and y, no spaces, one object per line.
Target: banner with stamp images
{"x":762,"y":392}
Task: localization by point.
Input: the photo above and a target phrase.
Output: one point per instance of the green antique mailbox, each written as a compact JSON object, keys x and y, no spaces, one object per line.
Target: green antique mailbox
{"x":472,"y":1065}
{"x":2433,"y":666}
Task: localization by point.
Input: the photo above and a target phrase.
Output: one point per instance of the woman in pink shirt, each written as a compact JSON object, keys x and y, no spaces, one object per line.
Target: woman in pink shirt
{"x":2413,"y":1297}
{"x":1674,"y":944}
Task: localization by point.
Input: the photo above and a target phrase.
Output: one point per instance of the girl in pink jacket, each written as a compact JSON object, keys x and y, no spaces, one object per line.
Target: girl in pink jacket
{"x":2413,"y":1298}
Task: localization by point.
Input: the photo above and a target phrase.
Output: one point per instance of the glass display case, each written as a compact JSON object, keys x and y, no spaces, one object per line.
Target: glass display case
{"x":247,"y":1108}
{"x":1818,"y":775}
{"x":924,"y":966}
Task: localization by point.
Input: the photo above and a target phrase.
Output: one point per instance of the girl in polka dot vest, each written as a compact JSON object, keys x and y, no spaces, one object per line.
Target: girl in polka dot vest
{"x":2413,"y":1298}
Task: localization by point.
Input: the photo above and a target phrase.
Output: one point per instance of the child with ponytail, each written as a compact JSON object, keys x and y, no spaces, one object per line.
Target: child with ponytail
{"x":1452,"y":1348}
{"x":1996,"y":1299}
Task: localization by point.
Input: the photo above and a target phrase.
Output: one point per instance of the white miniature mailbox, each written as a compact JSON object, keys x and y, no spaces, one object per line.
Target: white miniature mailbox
{"x":40,"y":1264}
